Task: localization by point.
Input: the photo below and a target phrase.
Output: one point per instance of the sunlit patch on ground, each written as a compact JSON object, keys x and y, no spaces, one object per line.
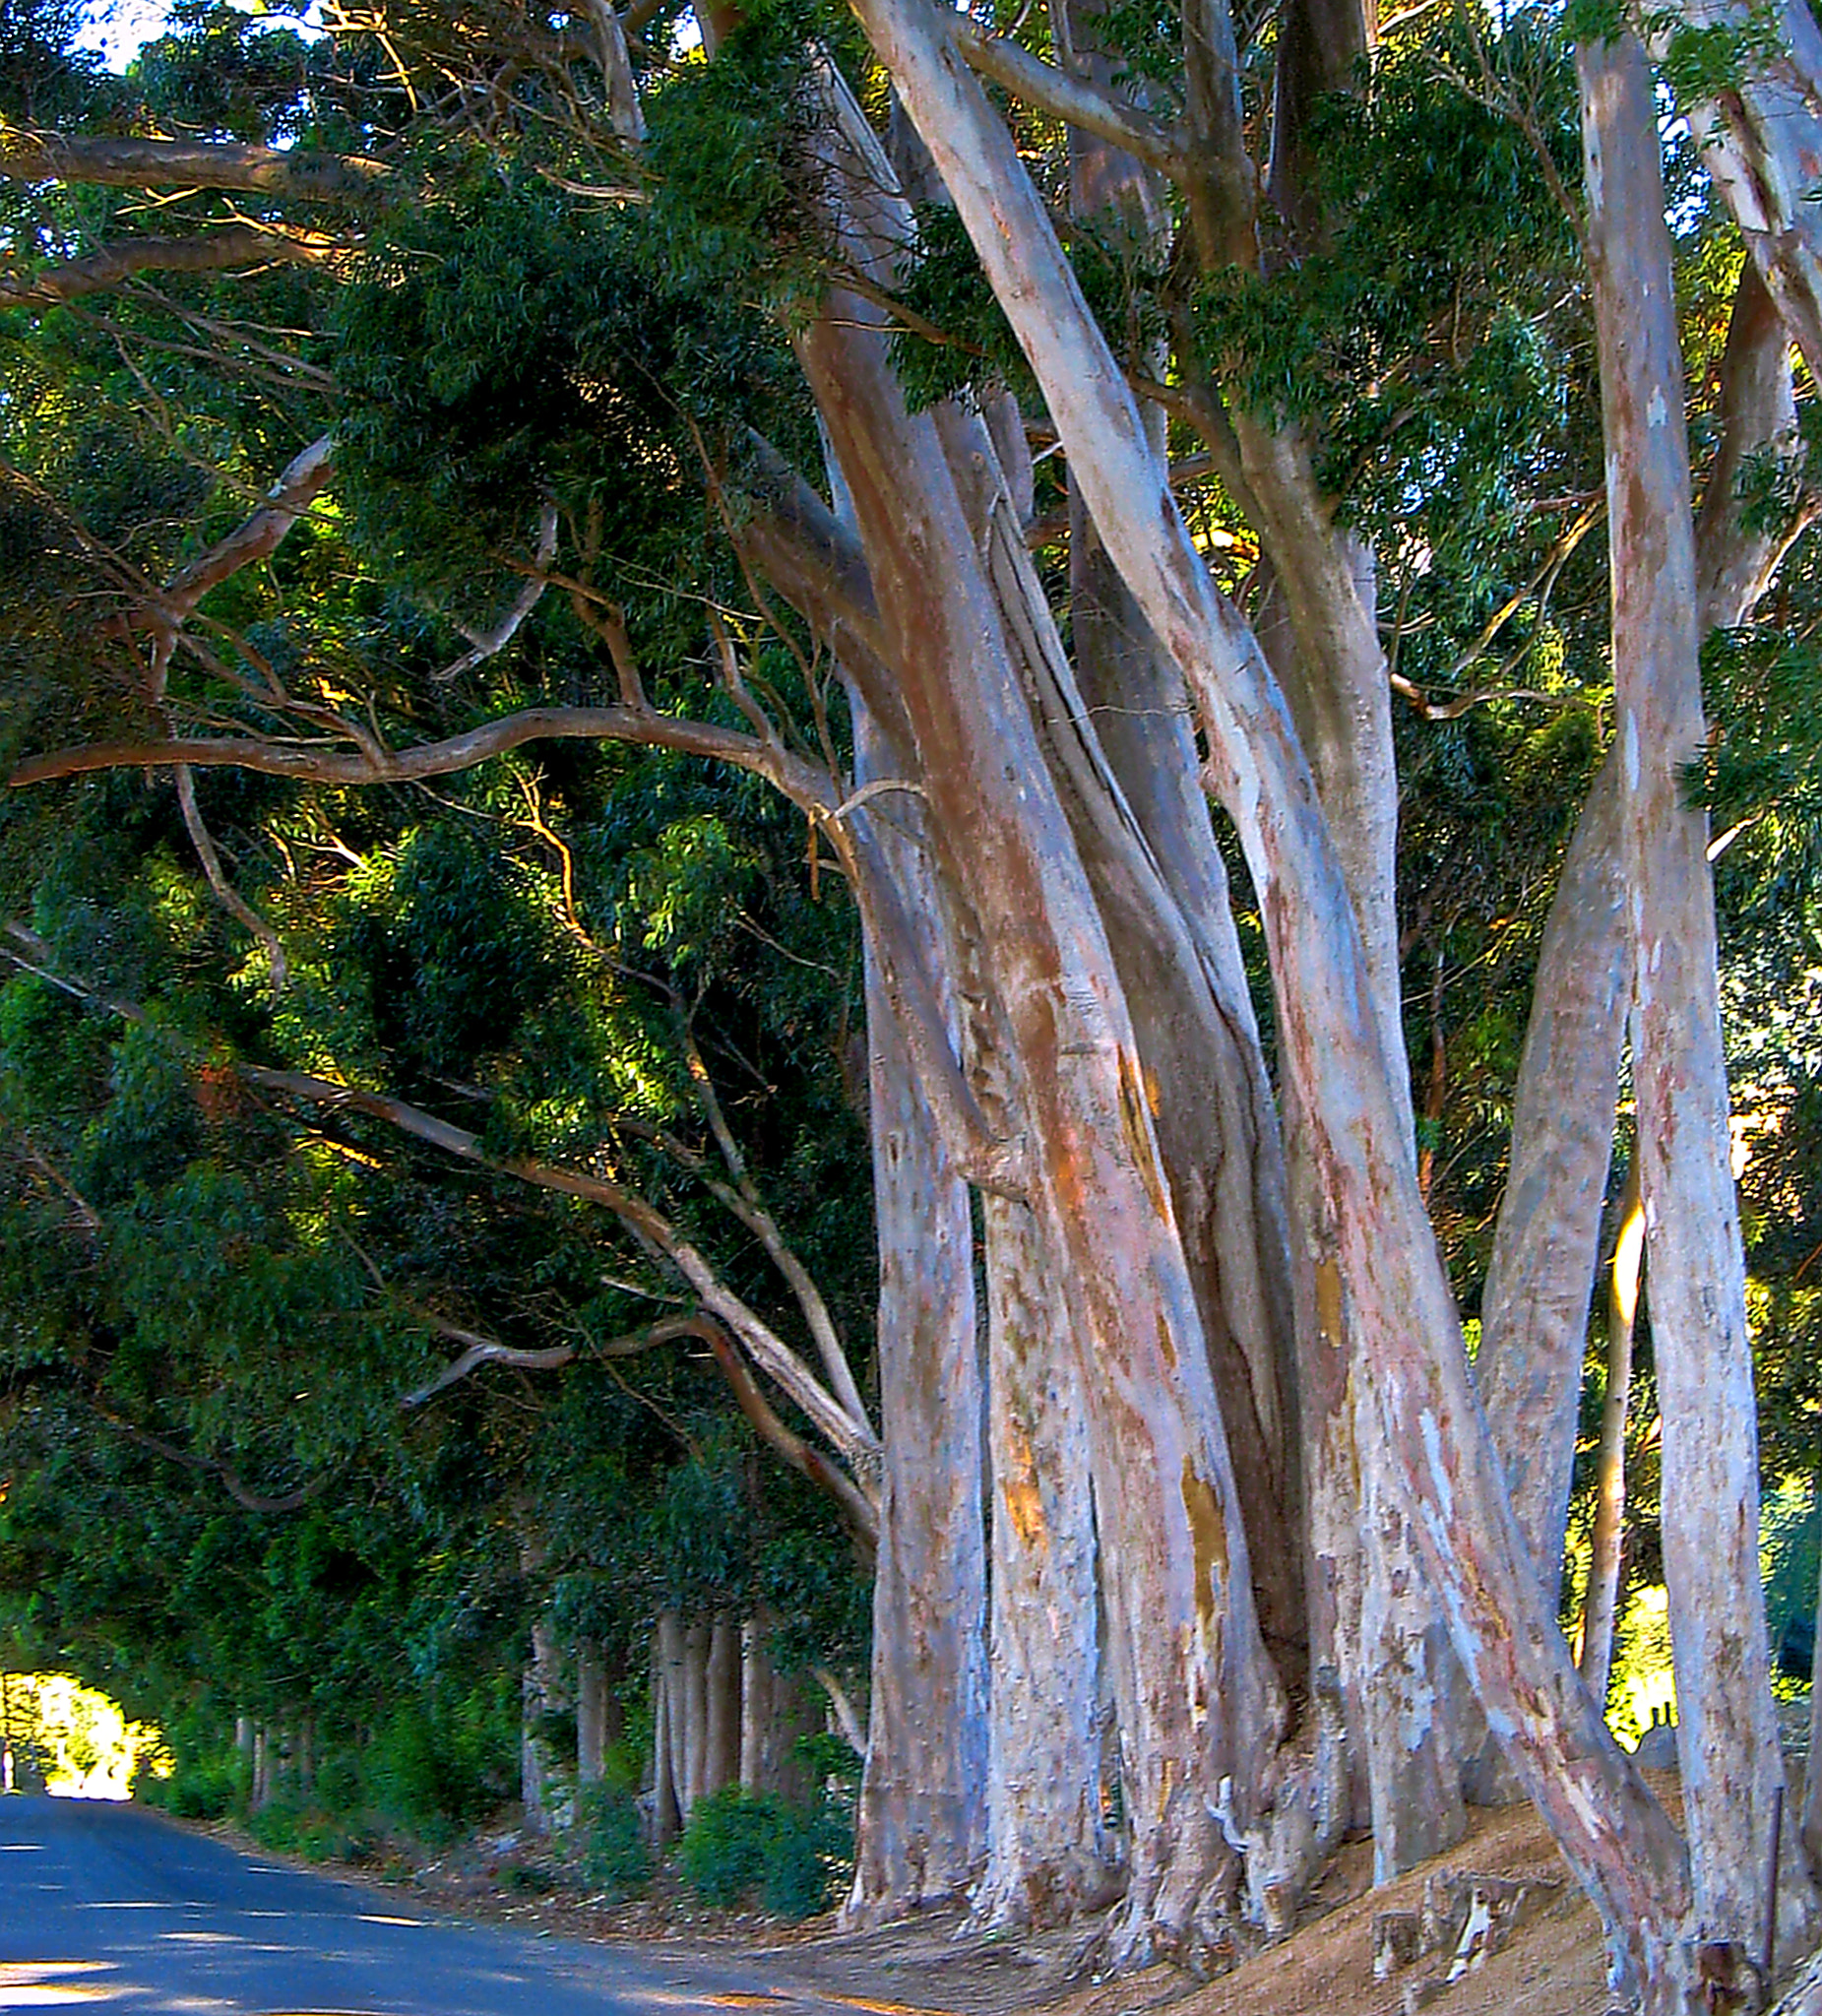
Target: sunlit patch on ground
{"x":54,"y":1984}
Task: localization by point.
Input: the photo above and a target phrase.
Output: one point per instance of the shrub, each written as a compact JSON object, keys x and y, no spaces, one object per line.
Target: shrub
{"x":195,"y":1790}
{"x":739,"y":1842}
{"x":615,"y":1857}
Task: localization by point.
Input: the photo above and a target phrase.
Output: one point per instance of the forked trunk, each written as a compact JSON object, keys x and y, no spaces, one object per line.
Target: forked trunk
{"x":1198,"y":1702}
{"x":1412,"y":1361}
{"x":1727,"y":1730}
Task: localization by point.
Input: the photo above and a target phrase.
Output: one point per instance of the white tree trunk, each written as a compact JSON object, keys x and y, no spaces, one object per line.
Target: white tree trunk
{"x":1615,"y":1834}
{"x":1727,"y":1730}
{"x":922,"y":1814}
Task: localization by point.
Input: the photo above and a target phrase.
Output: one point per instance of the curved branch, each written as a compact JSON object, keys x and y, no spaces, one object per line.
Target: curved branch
{"x":213,"y":1466}
{"x":117,"y":163}
{"x":1071,"y":98}
{"x":211,"y":252}
{"x":856,"y":1508}
{"x":800,"y":782}
{"x":485,"y":1351}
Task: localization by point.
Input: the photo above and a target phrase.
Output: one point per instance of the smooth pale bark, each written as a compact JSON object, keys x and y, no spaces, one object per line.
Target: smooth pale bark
{"x":773,"y":1714}
{"x":1606,"y":1547}
{"x":1048,"y":1856}
{"x":1185,"y":977}
{"x":1726,"y":1734}
{"x":922,"y":1826}
{"x":1534,"y":1312}
{"x":1533,"y":1308}
{"x":669,"y":1762}
{"x":1757,"y":413}
{"x":1762,"y":145}
{"x":1615,"y":1834}
{"x":689,"y":1709}
{"x":1199,"y":1706}
{"x":1375,"y":1617}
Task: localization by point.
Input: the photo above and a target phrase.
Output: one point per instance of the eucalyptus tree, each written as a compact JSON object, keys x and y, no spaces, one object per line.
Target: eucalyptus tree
{"x":698,"y":400}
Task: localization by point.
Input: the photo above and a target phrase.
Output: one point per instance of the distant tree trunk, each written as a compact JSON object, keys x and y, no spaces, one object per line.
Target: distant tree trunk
{"x":774,"y":1715}
{"x":667,"y":1736}
{"x":540,"y":1695}
{"x":1606,"y":1548}
{"x":690,"y":1709}
{"x":1727,"y":1731}
{"x":1047,"y":1855}
{"x":921,"y":1821}
{"x":722,"y":1729}
{"x":597,"y":1714}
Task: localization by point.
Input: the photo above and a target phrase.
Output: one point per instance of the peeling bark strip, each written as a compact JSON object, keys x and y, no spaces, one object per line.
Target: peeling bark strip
{"x":1615,"y":1834}
{"x":1727,"y":1736}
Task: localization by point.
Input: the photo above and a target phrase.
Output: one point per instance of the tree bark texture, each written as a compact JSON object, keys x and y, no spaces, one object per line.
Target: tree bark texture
{"x":922,"y":1816}
{"x":1727,"y":1731}
{"x":1761,"y":141}
{"x":1615,"y":1834}
{"x":1048,"y":1854}
{"x":597,"y":1715}
{"x":1533,"y":1308}
{"x":1197,"y":1695}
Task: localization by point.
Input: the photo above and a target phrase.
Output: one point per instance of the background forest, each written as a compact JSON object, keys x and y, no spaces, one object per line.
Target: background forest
{"x":441,"y":1321}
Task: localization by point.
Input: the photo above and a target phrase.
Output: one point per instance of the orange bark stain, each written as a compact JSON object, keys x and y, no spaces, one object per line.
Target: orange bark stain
{"x":1208,"y":1533}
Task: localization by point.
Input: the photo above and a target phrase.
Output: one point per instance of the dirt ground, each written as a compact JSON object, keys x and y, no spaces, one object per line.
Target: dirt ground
{"x":1551,"y":1962}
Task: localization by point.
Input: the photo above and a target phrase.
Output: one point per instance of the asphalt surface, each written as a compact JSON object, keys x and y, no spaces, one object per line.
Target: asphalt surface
{"x":111,"y":1906}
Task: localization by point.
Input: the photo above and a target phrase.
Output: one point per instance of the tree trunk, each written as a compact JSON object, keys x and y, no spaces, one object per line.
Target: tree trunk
{"x":1616,"y":1837}
{"x":692,"y":1696}
{"x":1727,"y":1730}
{"x":597,"y":1715}
{"x":722,"y":1721}
{"x":921,"y":1820}
{"x":1533,"y":1308}
{"x":1606,"y":1549}
{"x":1400,"y":1688}
{"x":539,"y":1695}
{"x":1761,"y":142}
{"x":1198,"y":1699}
{"x":772,"y":1716}
{"x":667,"y":1736}
{"x":1048,"y":1856}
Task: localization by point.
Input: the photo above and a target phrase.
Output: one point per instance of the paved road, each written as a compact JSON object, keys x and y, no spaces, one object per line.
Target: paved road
{"x":111,"y":1906}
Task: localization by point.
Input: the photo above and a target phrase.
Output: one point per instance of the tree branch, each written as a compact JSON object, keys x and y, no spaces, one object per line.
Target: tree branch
{"x":802,"y":782}
{"x":216,"y":251}
{"x":857,"y":1508}
{"x":120,"y":163}
{"x":1070,"y":98}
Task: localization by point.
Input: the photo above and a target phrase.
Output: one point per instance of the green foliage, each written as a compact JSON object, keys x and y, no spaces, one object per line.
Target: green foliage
{"x":739,"y":1843}
{"x":611,"y":1832}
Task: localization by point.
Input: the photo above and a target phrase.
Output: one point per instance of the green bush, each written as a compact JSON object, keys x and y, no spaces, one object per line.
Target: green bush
{"x":738,"y":1842}
{"x":196,"y":1790}
{"x":615,"y":1857}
